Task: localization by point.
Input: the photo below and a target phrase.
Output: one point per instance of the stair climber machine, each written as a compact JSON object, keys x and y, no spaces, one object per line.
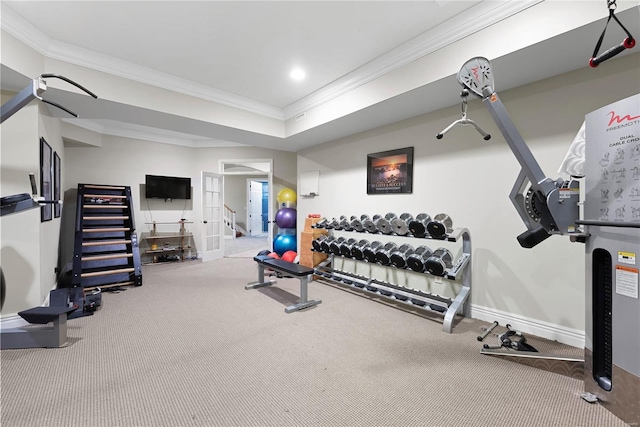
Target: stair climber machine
{"x":610,"y":229}
{"x":43,"y":335}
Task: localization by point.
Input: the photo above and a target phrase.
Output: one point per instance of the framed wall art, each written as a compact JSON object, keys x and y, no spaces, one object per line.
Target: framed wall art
{"x":45,"y":179}
{"x":390,"y":172}
{"x":57,"y":208}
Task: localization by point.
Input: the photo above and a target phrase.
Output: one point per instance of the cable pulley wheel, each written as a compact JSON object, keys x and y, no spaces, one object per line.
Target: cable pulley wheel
{"x":531,"y":205}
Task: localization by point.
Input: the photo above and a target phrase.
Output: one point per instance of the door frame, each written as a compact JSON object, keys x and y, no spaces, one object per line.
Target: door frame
{"x":257,"y":167}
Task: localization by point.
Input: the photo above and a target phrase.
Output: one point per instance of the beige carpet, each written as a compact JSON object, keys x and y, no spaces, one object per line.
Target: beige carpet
{"x":192,"y":347}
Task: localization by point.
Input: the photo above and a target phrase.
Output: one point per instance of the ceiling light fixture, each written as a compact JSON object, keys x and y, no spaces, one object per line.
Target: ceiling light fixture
{"x":297,"y":74}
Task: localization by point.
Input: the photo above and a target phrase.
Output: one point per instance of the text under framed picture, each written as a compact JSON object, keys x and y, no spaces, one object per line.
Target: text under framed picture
{"x":57,"y":208}
{"x":390,"y":172}
{"x":45,"y":180}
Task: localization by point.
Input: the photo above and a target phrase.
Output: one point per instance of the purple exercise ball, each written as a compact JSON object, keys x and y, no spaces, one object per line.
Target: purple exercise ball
{"x":286,"y":218}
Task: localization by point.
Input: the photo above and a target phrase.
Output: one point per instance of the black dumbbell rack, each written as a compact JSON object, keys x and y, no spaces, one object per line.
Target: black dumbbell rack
{"x":448,"y":307}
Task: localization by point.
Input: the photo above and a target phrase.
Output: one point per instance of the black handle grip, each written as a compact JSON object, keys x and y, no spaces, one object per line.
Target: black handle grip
{"x":628,"y":43}
{"x":530,"y":238}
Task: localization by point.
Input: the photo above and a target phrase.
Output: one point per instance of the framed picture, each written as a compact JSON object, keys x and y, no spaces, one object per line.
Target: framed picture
{"x":57,"y":208}
{"x":390,"y":172}
{"x":45,"y":180}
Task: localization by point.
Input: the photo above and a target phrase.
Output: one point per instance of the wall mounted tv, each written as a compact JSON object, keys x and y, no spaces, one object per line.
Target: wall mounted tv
{"x":167,"y":187}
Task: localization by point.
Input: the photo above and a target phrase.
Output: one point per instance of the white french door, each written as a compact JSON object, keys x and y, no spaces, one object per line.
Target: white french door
{"x":212,"y":216}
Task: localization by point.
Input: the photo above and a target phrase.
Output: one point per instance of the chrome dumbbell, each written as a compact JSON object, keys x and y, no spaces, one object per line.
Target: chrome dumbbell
{"x":345,"y":247}
{"x":417,"y":259}
{"x":345,"y":224}
{"x":357,"y":250}
{"x":400,"y":225}
{"x":329,"y":225}
{"x":334,"y":246}
{"x":399,"y":256}
{"x":439,"y":261}
{"x":370,"y":223}
{"x":324,"y":244}
{"x":317,"y":243}
{"x":418,"y":225}
{"x":384,"y":224}
{"x":370,"y":250}
{"x":383,"y":254}
{"x":321,"y":224}
{"x":440,"y":226}
{"x":357,"y":223}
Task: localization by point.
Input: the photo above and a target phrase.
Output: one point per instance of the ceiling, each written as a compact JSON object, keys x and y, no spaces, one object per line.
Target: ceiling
{"x":241,"y":53}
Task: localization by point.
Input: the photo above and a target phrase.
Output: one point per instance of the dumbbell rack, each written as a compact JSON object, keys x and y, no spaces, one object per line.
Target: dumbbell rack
{"x":448,"y":307}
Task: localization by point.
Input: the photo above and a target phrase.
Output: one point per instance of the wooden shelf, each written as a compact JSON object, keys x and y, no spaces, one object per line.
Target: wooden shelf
{"x":182,"y":245}
{"x":169,"y":236}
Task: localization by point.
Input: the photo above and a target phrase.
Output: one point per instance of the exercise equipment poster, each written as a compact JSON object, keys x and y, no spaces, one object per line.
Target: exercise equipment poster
{"x":390,"y":172}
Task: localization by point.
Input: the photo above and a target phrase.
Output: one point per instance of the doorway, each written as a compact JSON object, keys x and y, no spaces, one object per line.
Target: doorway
{"x":258,"y":206}
{"x":259,"y":211}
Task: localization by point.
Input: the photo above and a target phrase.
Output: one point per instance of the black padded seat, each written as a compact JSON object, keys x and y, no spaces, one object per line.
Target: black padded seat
{"x":44,"y":315}
{"x":289,"y":267}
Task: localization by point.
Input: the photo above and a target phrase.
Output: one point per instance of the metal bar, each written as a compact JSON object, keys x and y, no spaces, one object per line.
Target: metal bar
{"x":24,"y":97}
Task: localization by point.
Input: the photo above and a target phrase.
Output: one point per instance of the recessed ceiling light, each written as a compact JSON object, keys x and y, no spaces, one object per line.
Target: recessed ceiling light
{"x":297,"y":74}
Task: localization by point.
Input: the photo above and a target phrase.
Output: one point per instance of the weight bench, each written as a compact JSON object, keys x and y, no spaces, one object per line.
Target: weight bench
{"x":287,"y":269}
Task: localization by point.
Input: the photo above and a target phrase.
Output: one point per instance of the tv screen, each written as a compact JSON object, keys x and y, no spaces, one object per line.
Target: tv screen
{"x":167,"y":187}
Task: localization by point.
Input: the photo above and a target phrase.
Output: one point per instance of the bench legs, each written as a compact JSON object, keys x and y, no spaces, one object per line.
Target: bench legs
{"x":304,"y":302}
{"x":304,"y":282}
{"x":261,"y":282}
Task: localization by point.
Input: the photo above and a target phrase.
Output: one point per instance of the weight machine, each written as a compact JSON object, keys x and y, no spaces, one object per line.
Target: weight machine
{"x":611,"y":231}
{"x":54,"y":335}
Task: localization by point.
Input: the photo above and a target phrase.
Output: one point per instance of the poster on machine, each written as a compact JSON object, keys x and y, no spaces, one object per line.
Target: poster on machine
{"x":613,"y":162}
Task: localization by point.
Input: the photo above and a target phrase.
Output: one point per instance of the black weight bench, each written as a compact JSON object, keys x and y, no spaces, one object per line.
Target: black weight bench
{"x":47,"y":336}
{"x":287,"y":269}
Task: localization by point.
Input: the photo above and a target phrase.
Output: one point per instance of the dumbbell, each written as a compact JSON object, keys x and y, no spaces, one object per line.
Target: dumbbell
{"x":370,"y":223}
{"x":370,"y":250}
{"x":439,"y":261}
{"x":345,"y":247}
{"x":358,"y":248}
{"x":345,"y":224}
{"x":317,"y":243}
{"x":324,"y":244}
{"x":400,"y":225}
{"x":416,"y":260}
{"x":357,"y":223}
{"x":334,"y":246}
{"x":399,"y":256}
{"x":440,"y":226}
{"x":384,"y":224}
{"x":418,"y":225}
{"x":383,"y":254}
{"x":329,"y":225}
{"x":321,"y":224}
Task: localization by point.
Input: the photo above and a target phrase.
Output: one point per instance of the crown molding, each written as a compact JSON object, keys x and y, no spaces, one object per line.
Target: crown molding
{"x":23,"y":30}
{"x":481,"y":16}
{"x":477,"y":18}
{"x":144,"y":135}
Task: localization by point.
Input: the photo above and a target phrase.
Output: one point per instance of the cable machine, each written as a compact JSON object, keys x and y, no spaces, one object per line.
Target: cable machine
{"x":610,"y":229}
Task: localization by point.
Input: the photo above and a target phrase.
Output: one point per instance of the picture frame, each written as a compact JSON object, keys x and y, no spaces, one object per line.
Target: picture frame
{"x":57,"y":208}
{"x":45,"y":179}
{"x":390,"y":172}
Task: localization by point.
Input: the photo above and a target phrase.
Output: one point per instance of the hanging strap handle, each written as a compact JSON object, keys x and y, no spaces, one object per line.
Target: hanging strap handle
{"x":627,"y":43}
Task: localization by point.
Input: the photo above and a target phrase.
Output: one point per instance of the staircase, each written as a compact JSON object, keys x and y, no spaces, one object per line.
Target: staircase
{"x":105,"y":251}
{"x":230,"y":223}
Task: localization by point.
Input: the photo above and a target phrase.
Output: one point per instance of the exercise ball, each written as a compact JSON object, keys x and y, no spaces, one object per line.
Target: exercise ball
{"x":286,"y":218}
{"x":283,"y":243}
{"x":286,"y":198}
{"x":289,"y":256}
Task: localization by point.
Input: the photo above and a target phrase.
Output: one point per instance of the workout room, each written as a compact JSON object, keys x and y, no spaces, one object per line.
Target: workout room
{"x":292,"y":213}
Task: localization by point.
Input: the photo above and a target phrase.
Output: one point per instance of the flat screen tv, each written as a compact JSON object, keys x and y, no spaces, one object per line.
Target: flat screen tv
{"x":167,"y":187}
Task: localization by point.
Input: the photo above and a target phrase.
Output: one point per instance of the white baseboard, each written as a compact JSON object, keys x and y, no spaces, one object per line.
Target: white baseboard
{"x":572,"y":337}
{"x":14,"y":321}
